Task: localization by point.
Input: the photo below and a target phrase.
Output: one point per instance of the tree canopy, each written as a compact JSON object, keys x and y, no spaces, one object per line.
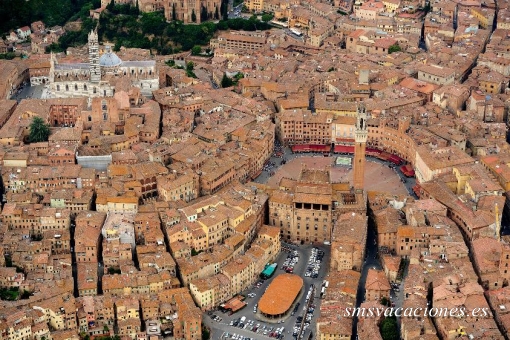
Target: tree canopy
{"x":196,"y":50}
{"x":19,"y":13}
{"x":389,"y":329}
{"x":394,"y":48}
{"x":39,"y":130}
{"x":226,"y":81}
{"x":124,"y":25}
{"x":267,"y":17}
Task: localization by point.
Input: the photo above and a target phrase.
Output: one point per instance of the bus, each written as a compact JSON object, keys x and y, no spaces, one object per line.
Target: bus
{"x":280,"y":24}
{"x":296,"y":32}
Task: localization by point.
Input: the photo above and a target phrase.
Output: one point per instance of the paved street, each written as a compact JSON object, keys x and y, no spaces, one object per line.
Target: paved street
{"x":28,"y":92}
{"x":236,"y":11}
{"x":372,"y":261}
{"x":219,"y":329}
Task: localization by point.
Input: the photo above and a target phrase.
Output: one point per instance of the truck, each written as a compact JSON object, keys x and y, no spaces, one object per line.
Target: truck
{"x":268,"y":271}
{"x":323,"y":292}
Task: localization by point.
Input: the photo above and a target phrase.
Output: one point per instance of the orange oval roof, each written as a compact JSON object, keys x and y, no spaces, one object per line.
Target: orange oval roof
{"x":280,"y":294}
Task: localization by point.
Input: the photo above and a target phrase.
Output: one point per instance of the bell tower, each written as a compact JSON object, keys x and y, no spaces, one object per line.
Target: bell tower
{"x":95,"y":71}
{"x":360,"y":139}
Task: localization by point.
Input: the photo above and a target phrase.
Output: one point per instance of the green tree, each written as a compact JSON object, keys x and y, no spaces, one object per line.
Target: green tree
{"x":190,"y":66}
{"x":267,"y":17}
{"x":39,"y":131}
{"x":193,"y":16}
{"x":194,"y":252}
{"x":216,"y":14}
{"x":196,"y":50}
{"x":394,"y":48}
{"x":8,"y":55}
{"x":226,"y":81}
{"x":222,"y":25}
{"x":206,"y":335}
{"x":389,"y":330}
{"x":384,"y":301}
{"x":106,"y":329}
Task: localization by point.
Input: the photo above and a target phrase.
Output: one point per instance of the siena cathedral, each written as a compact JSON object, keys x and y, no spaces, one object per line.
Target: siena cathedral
{"x":97,"y":78}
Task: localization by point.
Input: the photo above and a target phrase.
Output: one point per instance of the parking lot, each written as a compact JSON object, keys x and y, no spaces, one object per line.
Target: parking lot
{"x":250,"y":324}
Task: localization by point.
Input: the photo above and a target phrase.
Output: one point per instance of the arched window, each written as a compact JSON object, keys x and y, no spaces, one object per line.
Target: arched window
{"x":85,"y":87}
{"x":89,"y":118}
{"x":67,"y":87}
{"x":75,"y":87}
{"x":58,"y":87}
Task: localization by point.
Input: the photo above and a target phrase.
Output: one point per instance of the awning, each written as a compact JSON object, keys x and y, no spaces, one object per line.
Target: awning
{"x":308,"y":148}
{"x":416,"y":190}
{"x":320,"y":148}
{"x":407,"y":170}
{"x":373,"y":151}
{"x":300,"y":148}
{"x":395,"y":159}
{"x":344,"y":149}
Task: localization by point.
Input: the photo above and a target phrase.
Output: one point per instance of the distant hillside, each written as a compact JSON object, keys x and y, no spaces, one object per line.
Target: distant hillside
{"x":19,"y":13}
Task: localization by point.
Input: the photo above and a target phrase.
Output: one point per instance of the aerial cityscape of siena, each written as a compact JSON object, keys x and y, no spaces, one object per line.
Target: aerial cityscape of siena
{"x":254,"y":169}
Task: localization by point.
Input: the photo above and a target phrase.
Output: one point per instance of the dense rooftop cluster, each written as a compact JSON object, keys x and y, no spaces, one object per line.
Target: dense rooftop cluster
{"x":140,"y":207}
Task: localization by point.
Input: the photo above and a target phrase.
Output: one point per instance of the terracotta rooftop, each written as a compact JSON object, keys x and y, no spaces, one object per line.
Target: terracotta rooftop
{"x":280,"y":294}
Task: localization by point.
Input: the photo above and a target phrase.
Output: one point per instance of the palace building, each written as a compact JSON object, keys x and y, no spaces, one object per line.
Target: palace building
{"x":305,"y":208}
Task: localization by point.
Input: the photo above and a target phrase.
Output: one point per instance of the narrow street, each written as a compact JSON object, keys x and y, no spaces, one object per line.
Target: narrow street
{"x":371,"y":261}
{"x":73,"y":258}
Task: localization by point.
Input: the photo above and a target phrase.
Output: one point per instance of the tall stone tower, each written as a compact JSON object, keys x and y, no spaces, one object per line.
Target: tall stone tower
{"x":360,"y":138}
{"x":95,"y":71}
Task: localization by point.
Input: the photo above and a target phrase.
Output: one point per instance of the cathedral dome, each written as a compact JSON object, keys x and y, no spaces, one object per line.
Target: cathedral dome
{"x":109,"y":59}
